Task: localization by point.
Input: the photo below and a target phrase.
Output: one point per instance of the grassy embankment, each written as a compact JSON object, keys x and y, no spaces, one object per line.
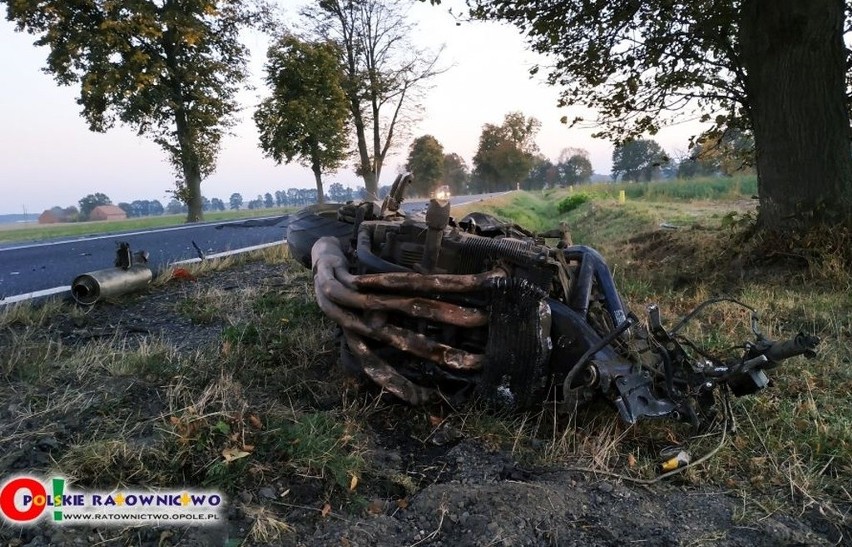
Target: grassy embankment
{"x":39,"y":232}
{"x":265,"y":403}
{"x":794,"y":440}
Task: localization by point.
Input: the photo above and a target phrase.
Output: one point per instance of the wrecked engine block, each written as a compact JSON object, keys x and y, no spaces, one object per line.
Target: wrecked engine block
{"x":431,"y":308}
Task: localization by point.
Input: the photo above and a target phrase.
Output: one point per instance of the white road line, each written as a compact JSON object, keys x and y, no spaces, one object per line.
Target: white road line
{"x":58,"y":290}
{"x":232,"y":252}
{"x":128,"y":234}
{"x":37,"y":294}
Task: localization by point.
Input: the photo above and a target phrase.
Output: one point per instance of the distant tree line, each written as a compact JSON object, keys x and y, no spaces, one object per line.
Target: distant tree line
{"x":294,"y":197}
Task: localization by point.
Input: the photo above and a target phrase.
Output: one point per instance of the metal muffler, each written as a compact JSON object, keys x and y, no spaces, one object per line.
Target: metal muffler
{"x":125,"y":277}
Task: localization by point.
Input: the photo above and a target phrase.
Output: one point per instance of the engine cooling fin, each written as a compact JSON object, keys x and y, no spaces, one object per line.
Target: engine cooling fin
{"x":518,"y":345}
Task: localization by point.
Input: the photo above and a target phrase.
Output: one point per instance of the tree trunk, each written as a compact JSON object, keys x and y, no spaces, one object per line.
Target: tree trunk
{"x":315,"y":167}
{"x":366,"y":168}
{"x":191,"y":172}
{"x":378,"y":157}
{"x":194,"y":203}
{"x":795,"y":62}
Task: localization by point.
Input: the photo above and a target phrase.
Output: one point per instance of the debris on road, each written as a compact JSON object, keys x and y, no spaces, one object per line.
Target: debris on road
{"x":131,"y":273}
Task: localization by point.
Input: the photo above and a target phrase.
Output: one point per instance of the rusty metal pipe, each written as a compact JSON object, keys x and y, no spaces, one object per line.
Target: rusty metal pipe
{"x":385,"y":375}
{"x":333,"y":263}
{"x":404,"y":281}
{"x":421,"y":308}
{"x":402,"y":339}
{"x":415,"y":282}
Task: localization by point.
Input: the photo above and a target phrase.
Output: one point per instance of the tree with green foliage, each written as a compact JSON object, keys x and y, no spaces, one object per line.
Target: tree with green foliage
{"x":90,"y":202}
{"x":337,"y":193}
{"x":456,"y":173}
{"x":426,"y":162}
{"x":306,"y":116}
{"x":725,"y":153}
{"x":235,"y":201}
{"x":574,"y":167}
{"x":383,"y":72}
{"x":637,"y":159}
{"x":70,"y":214}
{"x":542,"y":174}
{"x":169,"y":69}
{"x":175,"y":207}
{"x":506,"y":152}
{"x":778,"y":68}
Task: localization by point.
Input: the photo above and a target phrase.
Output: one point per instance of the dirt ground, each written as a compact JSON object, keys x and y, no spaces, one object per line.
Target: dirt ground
{"x":462,"y":490}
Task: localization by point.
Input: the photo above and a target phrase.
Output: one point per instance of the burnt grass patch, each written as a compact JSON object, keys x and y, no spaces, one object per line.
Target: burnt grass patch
{"x":229,"y":379}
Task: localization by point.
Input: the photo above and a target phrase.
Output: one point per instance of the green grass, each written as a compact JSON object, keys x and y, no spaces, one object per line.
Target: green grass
{"x":794,"y":442}
{"x":49,"y":231}
{"x":680,"y":190}
{"x":693,"y":190}
{"x":322,"y":444}
{"x":596,"y":217}
{"x":528,"y":209}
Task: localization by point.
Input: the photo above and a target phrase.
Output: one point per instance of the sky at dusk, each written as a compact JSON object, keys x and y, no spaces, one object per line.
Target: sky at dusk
{"x":49,"y":157}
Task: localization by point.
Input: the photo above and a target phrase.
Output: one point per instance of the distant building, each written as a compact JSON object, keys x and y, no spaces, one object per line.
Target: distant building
{"x":107,"y":212}
{"x":52,"y":216}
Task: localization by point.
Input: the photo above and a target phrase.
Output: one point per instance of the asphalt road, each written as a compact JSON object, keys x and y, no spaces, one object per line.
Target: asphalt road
{"x":34,"y":267}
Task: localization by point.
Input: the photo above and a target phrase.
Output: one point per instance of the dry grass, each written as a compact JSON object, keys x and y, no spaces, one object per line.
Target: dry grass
{"x":266,"y":528}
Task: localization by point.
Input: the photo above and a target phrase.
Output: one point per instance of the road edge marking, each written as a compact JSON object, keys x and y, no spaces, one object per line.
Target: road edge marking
{"x":58,"y":290}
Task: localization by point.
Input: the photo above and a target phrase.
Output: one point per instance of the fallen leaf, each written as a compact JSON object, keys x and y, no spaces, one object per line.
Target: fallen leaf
{"x":631,"y":461}
{"x":402,"y":503}
{"x":326,"y":509}
{"x":174,"y":420}
{"x":248,"y":447}
{"x":344,"y":542}
{"x":226,"y":347}
{"x":435,"y":420}
{"x":255,"y":422}
{"x":231,"y":454}
{"x":376,"y":507}
{"x":353,"y":483}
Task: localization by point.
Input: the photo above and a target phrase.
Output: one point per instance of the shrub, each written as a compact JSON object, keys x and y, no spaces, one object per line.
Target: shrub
{"x":571,"y":202}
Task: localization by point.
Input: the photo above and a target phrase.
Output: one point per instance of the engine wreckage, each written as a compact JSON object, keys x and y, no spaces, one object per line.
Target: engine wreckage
{"x":435,"y":308}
